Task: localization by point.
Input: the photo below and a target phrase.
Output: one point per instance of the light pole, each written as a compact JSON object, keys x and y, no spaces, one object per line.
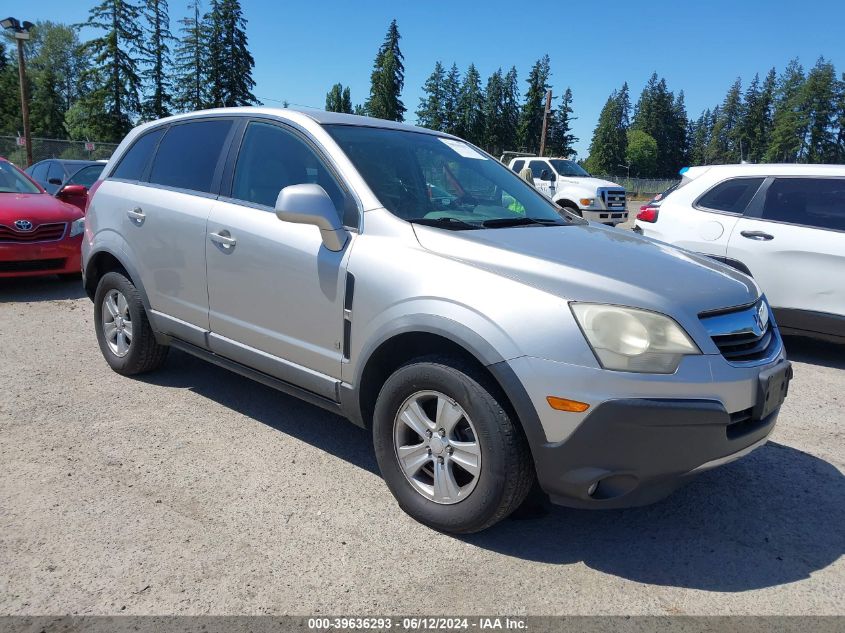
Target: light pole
{"x":21,"y":31}
{"x":628,"y":167}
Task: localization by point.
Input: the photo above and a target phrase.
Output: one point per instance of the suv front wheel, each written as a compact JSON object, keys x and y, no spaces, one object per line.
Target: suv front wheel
{"x":123,"y":330}
{"x":447,"y":449}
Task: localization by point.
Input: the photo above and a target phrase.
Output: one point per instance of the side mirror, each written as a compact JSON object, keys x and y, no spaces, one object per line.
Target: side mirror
{"x":310,"y":204}
{"x":77,"y":195}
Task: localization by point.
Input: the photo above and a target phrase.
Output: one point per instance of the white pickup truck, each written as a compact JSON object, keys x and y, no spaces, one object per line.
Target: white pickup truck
{"x":573,"y":189}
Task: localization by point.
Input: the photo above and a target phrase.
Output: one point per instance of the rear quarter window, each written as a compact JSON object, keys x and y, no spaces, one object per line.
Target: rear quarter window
{"x":137,"y":157}
{"x":730,"y":196}
{"x":188,"y":154}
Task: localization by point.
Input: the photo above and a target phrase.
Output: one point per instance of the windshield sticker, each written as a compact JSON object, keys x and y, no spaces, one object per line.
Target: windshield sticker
{"x":462,"y":148}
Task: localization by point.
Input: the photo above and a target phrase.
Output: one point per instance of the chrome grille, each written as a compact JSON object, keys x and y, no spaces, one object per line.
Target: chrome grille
{"x":740,"y":335}
{"x":614,"y":198}
{"x":43,"y":233}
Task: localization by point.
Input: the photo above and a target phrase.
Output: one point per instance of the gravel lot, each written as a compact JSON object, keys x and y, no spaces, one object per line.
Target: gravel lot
{"x":196,"y":491}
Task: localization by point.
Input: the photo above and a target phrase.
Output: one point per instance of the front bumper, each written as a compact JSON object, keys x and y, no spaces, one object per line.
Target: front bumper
{"x":605,"y":216}
{"x":41,"y":258}
{"x":644,"y":434}
{"x":637,"y":451}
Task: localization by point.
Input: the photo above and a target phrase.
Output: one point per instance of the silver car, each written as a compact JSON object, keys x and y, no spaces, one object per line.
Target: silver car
{"x":486,"y":340}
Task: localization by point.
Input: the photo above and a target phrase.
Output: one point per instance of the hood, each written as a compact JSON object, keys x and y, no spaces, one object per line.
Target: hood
{"x":591,"y":183}
{"x":599,"y":264}
{"x":38,"y":208}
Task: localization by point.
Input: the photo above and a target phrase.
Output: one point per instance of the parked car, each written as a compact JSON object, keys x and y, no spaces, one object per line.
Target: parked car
{"x":782,"y":224}
{"x":54,"y":173}
{"x":482,"y":337}
{"x":649,"y":210}
{"x":39,"y":235}
{"x":575,"y":190}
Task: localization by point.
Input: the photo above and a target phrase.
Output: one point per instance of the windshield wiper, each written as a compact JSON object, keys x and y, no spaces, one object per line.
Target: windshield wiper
{"x":453,"y":224}
{"x":497,"y":223}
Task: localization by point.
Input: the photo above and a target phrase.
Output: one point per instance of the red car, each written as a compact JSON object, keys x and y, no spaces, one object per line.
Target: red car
{"x":39,"y":234}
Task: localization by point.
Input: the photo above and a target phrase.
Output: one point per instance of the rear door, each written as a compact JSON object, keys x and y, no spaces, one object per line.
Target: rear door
{"x":793,"y":241}
{"x":540,"y":168}
{"x":163,"y":215}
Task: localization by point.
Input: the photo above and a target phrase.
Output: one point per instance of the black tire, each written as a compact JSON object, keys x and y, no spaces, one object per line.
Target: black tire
{"x":144,"y":354}
{"x":573,"y":210}
{"x":507,"y":471}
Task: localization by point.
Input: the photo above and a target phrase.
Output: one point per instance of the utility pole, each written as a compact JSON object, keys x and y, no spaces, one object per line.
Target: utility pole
{"x":546,"y":111}
{"x":21,"y":32}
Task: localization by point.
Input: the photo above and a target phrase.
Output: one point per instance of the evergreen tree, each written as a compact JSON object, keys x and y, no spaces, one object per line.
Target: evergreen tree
{"x":451,"y":101}
{"x":609,"y":145}
{"x":657,"y":115}
{"x":387,"y":79}
{"x":678,"y":149}
{"x":531,"y":117}
{"x":432,"y":110}
{"x":115,"y":98}
{"x":471,"y":108}
{"x":495,"y":140}
{"x":840,"y":121}
{"x":47,"y":111}
{"x":699,"y":138}
{"x":819,"y":100}
{"x":230,"y":61}
{"x":338,"y":99}
{"x":191,"y":57}
{"x":560,"y":136}
{"x":725,"y":141}
{"x":789,"y":124}
{"x":510,"y":109}
{"x":158,"y":103}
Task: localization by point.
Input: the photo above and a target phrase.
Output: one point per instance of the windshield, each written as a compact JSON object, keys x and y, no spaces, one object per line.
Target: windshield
{"x":86,"y":176}
{"x":13,"y":181}
{"x":568,"y":168}
{"x":444,"y":182}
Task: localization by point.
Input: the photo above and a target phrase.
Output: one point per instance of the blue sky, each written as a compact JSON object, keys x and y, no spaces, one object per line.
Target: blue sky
{"x":302,"y":48}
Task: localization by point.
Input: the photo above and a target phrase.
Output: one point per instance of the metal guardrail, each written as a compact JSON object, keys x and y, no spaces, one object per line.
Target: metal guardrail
{"x":43,"y":148}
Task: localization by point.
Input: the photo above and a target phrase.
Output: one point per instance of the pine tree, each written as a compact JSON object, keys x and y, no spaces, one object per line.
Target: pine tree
{"x":47,"y":111}
{"x":338,"y":99}
{"x":840,"y":121}
{"x":230,"y":61}
{"x":158,"y":103}
{"x":560,"y":137}
{"x":699,"y":138}
{"x":789,"y":124}
{"x":115,"y":98}
{"x":494,"y":114}
{"x":510,"y":109}
{"x":819,"y":99}
{"x":531,"y":117}
{"x":609,"y":145}
{"x":431,"y":112}
{"x":451,"y":100}
{"x":656,"y":115}
{"x":191,"y":56}
{"x":677,"y":153}
{"x":10,"y":101}
{"x":387,"y":79}
{"x":726,"y":144}
{"x":471,"y":108}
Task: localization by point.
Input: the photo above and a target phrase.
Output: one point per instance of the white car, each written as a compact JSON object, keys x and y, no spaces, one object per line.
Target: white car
{"x":782,"y":224}
{"x":575,"y":190}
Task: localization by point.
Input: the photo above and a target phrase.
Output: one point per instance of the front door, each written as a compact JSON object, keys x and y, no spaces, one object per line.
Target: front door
{"x":275,"y":292}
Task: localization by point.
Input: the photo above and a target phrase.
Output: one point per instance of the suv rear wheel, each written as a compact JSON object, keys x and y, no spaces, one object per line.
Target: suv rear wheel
{"x":447,"y":449}
{"x":123,"y":330}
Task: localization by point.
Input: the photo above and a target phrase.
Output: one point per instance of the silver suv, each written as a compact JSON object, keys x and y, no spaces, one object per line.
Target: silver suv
{"x":412,"y":283}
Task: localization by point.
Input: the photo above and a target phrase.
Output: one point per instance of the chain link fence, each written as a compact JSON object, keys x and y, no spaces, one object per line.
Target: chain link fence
{"x":641,"y":188}
{"x":43,"y":148}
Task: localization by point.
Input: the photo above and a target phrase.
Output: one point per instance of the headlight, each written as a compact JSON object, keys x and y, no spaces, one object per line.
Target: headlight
{"x":627,"y":339}
{"x":77,"y":227}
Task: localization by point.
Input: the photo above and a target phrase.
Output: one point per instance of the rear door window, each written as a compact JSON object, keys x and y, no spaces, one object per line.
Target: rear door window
{"x":188,"y":154}
{"x":518,"y":165}
{"x":135,"y":161}
{"x":537,"y":168}
{"x":816,"y":202}
{"x":731,"y":196}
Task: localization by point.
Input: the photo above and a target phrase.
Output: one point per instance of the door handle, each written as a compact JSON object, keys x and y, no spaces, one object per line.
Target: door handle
{"x":136,"y":215}
{"x":757,"y":235}
{"x":223,"y":238}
